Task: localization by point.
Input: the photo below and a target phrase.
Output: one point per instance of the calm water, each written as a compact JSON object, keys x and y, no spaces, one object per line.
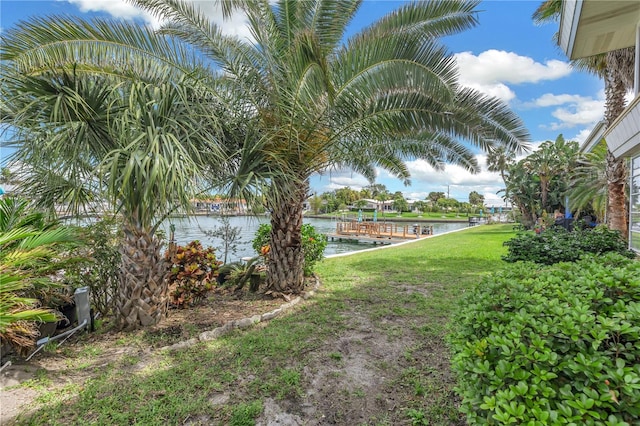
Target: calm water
{"x":189,"y":229}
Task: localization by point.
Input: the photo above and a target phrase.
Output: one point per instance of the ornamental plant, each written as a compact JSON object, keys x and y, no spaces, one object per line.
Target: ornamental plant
{"x":542,"y":345}
{"x":313,"y":244}
{"x":558,"y":245}
{"x":192,"y":275}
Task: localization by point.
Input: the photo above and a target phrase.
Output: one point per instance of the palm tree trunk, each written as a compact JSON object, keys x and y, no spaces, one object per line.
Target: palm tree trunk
{"x":286,"y":258}
{"x":617,"y":217}
{"x":142,"y":289}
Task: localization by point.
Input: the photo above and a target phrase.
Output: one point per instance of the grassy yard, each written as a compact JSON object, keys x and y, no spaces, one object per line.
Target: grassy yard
{"x":369,"y":349}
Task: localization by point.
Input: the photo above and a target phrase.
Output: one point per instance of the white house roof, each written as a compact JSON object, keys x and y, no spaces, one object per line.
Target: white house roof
{"x":590,"y":27}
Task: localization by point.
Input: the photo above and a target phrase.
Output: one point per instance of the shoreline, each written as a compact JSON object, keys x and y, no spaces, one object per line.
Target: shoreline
{"x":334,"y":218}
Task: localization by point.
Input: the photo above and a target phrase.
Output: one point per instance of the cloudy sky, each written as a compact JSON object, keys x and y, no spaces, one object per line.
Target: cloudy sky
{"x":506,"y":56}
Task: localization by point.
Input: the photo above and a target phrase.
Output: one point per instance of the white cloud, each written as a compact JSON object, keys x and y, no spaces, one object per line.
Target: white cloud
{"x":115,"y":8}
{"x":492,"y":70}
{"x":586,"y":112}
{"x":582,"y":135}
{"x":549,"y":99}
{"x":572,"y":111}
{"x":235,"y":25}
{"x":336,"y":179}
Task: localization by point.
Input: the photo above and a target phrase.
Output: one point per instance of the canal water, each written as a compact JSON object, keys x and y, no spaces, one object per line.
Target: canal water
{"x":194,"y":227}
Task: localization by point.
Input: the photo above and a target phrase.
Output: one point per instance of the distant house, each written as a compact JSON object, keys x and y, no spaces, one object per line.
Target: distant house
{"x":591,"y":27}
{"x":381,"y":206}
{"x":220,"y":206}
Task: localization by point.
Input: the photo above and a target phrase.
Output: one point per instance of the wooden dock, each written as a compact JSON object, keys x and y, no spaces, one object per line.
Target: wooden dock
{"x":379,"y":232}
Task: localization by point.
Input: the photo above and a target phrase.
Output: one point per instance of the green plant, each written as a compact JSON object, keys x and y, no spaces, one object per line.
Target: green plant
{"x":417,"y":417}
{"x":558,"y":245}
{"x":193,"y":272}
{"x":31,"y":253}
{"x":231,"y":236}
{"x":313,"y":244}
{"x":552,"y":344}
{"x":245,"y":414}
{"x":100,"y":271}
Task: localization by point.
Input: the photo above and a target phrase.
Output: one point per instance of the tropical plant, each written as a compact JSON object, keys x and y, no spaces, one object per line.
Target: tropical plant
{"x":295,"y":99}
{"x":192,"y":274}
{"x":313,"y":245}
{"x":135,"y":146}
{"x":551,"y":163}
{"x":400,"y":204}
{"x":475,"y":199}
{"x":499,"y":160}
{"x":589,"y":182}
{"x":616,"y":68}
{"x":30,"y":254}
{"x":538,"y":183}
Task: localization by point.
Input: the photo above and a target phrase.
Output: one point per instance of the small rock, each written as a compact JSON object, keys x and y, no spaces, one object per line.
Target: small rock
{"x":181,"y":345}
{"x":213,"y":334}
{"x":271,"y":315}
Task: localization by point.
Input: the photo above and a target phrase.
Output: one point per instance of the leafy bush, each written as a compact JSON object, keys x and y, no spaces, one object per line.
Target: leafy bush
{"x":557,"y":344}
{"x":313,"y":244}
{"x":558,"y":245}
{"x":100,"y":271}
{"x":193,"y":273}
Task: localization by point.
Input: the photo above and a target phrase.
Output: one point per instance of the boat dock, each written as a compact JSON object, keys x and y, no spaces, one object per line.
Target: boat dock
{"x":379,"y":232}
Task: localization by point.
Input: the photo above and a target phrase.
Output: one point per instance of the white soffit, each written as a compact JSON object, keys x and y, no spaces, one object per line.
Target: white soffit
{"x":590,"y":27}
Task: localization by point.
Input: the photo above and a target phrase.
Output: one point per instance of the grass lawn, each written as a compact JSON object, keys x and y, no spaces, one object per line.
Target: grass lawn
{"x":369,"y":349}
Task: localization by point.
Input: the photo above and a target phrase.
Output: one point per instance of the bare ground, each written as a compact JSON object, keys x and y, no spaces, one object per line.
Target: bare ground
{"x":372,"y":372}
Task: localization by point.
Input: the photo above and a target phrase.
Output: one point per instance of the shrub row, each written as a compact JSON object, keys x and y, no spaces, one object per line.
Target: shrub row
{"x":540,"y":345}
{"x":558,"y":245}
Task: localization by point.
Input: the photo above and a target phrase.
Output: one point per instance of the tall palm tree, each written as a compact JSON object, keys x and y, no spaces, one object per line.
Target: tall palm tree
{"x":499,"y":160}
{"x":296,"y":99}
{"x":616,"y":69}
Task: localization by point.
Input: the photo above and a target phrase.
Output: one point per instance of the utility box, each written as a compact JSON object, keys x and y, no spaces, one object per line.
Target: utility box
{"x":83,"y":306}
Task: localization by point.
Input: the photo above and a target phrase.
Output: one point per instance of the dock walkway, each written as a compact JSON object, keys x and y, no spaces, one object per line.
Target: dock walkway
{"x":379,"y":232}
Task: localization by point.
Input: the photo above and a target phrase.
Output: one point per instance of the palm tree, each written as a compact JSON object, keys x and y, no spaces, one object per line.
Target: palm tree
{"x":617,"y":70}
{"x":138,"y":146}
{"x":499,"y":160}
{"x":295,"y":99}
{"x":589,"y":181}
{"x":553,"y":159}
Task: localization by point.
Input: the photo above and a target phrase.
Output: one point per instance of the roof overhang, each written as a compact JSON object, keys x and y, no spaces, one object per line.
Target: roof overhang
{"x":590,"y":27}
{"x":594,"y":137}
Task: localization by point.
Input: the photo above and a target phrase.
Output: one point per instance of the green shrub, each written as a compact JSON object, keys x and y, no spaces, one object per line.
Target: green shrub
{"x":558,"y":245}
{"x":313,"y":244}
{"x":540,"y":345}
{"x":193,"y":273}
{"x":100,"y":270}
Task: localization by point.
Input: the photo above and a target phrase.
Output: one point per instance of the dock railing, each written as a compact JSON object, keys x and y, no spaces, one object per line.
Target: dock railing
{"x":382,"y":230}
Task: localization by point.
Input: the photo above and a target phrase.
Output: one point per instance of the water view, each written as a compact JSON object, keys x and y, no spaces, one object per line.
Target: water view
{"x":193,"y":228}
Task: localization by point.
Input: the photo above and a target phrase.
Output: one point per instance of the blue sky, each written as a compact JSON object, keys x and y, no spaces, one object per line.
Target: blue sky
{"x":506,"y":55}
